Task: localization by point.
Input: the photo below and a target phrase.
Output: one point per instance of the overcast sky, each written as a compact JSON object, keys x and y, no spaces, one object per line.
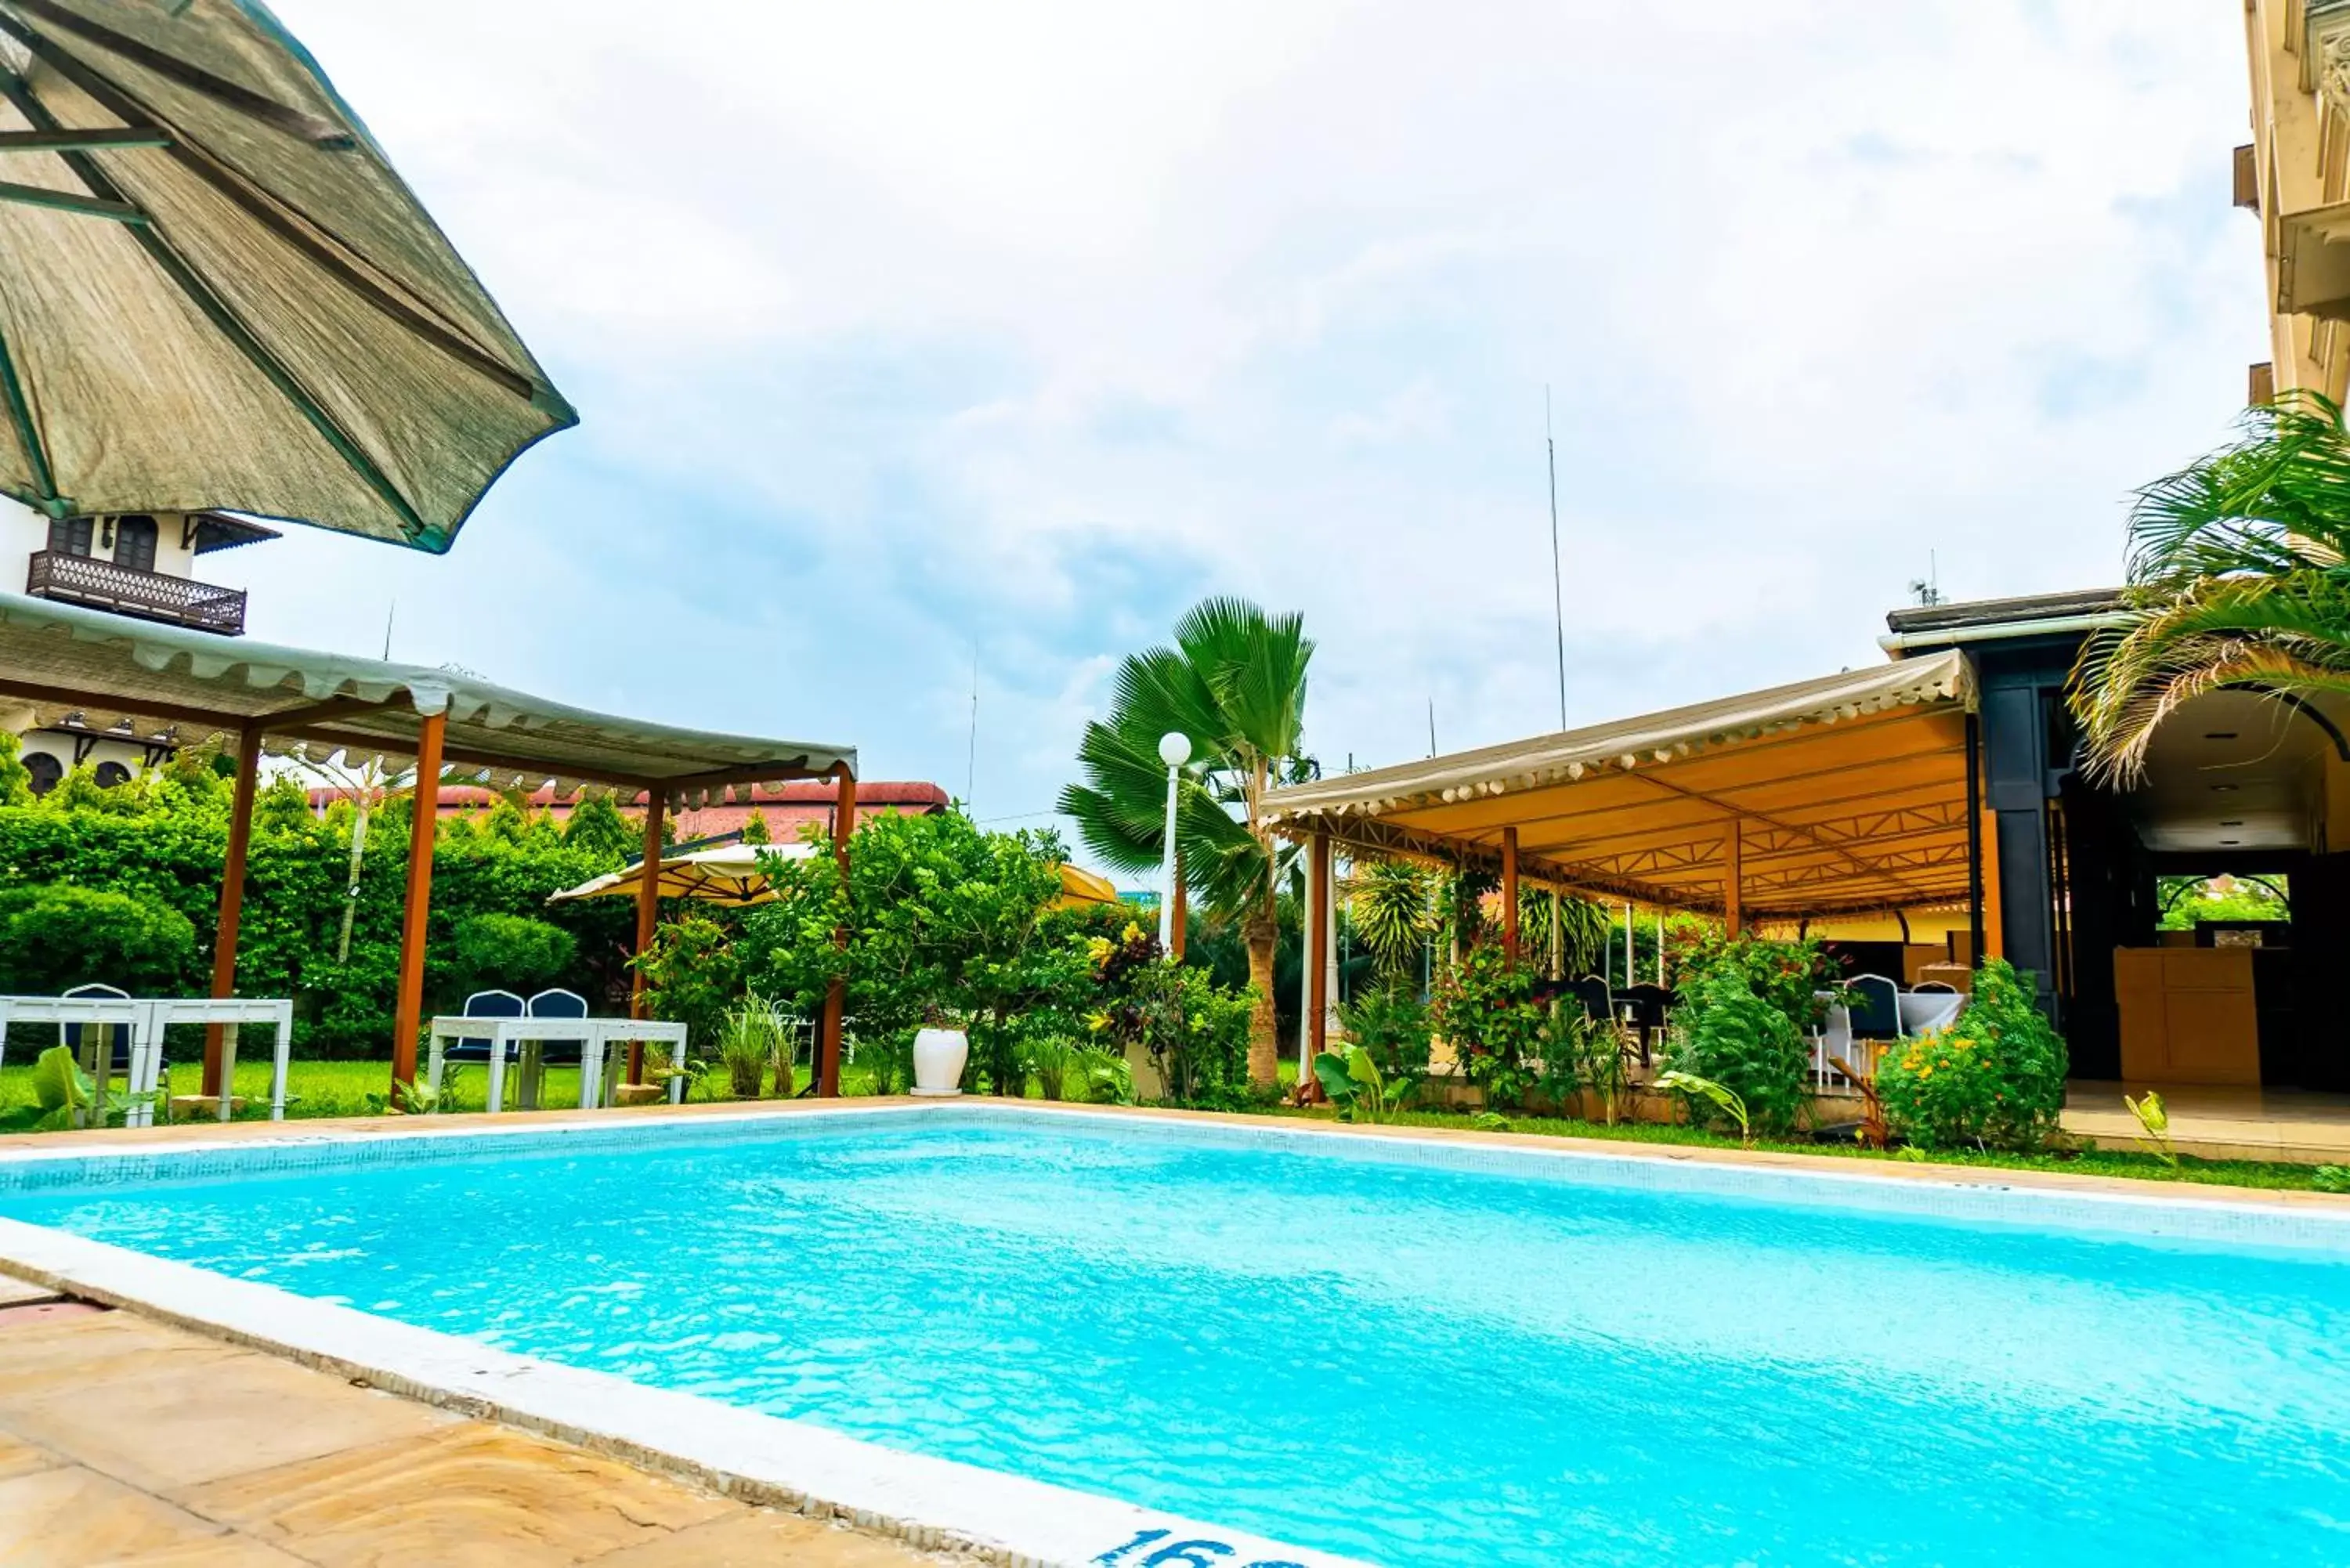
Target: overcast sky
{"x":901,"y":331}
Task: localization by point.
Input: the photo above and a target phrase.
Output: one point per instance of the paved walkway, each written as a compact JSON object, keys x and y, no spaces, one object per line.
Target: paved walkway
{"x":126,"y":1442}
{"x":2219,"y":1123}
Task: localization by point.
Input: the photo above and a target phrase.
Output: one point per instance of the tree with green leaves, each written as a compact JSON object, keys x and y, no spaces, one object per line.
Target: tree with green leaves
{"x":15,"y":778}
{"x":2239,"y":576}
{"x":941,"y":915}
{"x":1233,"y":684}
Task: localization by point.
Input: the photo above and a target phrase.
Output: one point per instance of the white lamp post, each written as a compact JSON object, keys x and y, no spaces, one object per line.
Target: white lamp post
{"x":1174,"y":749}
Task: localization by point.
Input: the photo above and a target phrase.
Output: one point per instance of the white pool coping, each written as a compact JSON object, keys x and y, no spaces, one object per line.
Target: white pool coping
{"x":932,"y":1503}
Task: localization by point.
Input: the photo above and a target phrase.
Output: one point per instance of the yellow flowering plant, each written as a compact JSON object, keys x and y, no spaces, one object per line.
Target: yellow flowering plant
{"x":1991,"y":1078}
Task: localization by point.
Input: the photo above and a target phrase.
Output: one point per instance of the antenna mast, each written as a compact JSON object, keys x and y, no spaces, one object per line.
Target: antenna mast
{"x":1557,"y":579}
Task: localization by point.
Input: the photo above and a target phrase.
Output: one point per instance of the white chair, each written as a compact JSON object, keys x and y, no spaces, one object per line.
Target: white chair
{"x":1937,"y":985}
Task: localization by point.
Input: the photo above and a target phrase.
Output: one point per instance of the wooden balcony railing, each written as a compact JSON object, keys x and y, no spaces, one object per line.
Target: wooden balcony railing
{"x":126,"y":590}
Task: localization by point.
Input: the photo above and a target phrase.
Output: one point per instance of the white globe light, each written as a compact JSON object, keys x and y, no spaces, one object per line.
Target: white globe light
{"x":1174,"y":748}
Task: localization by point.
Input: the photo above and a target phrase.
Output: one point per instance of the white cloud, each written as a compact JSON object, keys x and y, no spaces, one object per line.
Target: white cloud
{"x":896,"y":325}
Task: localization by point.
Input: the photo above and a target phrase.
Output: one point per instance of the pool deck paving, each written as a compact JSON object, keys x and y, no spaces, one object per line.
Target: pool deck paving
{"x":127,"y":1441}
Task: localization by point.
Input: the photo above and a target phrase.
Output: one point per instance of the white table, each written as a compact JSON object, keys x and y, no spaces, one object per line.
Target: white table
{"x":622,"y":1032}
{"x":520,"y":1038}
{"x":146,"y":1018}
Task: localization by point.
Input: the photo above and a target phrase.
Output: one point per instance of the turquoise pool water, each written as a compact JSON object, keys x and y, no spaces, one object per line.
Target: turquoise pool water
{"x":1401,"y":1362}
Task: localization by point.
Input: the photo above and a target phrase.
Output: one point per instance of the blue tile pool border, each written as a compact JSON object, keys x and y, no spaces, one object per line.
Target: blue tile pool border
{"x":1948,"y":1195}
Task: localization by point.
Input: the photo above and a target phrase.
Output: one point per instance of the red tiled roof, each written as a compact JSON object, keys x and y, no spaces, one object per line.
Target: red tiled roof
{"x":786,"y":806}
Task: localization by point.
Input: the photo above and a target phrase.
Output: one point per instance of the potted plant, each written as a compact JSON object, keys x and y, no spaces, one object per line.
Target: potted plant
{"x":940,"y":1054}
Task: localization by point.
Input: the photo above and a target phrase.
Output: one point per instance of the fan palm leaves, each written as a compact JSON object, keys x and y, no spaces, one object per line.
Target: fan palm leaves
{"x":2239,"y":576}
{"x":1234,"y":684}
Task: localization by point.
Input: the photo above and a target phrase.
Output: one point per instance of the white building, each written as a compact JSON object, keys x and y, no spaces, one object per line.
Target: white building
{"x":134,"y":564}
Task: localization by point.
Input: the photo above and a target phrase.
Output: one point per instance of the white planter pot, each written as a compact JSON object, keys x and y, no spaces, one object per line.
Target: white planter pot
{"x":939,"y":1057}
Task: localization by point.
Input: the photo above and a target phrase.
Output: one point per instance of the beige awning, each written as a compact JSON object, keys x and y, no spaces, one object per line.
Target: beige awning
{"x":170,"y":683}
{"x":1849,"y":793}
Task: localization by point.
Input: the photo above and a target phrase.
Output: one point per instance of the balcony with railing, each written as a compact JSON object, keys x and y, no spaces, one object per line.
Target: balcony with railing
{"x":126,"y":590}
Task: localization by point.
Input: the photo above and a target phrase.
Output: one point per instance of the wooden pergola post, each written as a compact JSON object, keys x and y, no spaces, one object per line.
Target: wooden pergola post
{"x":1510,"y":895}
{"x":1733,"y":878}
{"x":1317,"y":953}
{"x":640,"y":1001}
{"x":232,"y":900}
{"x":424,"y":823}
{"x":835,"y":995}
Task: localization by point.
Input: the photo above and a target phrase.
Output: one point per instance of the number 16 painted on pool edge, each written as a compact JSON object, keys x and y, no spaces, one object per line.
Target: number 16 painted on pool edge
{"x":1181,"y":1554}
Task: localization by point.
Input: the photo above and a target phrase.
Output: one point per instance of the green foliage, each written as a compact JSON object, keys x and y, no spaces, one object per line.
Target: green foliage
{"x":2154,"y":1121}
{"x":596,"y":827}
{"x":1993,"y":1078}
{"x":2237,"y":579}
{"x":1724,"y":1097}
{"x":1485,"y":1010}
{"x":1194,"y":1031}
{"x":694,"y":974}
{"x":1738,"y":1026}
{"x":1394,"y":910}
{"x":755,"y":827}
{"x":80,"y":792}
{"x":505,"y":952}
{"x":1583,"y":924}
{"x":1353,"y":1083}
{"x":171,"y":854}
{"x":1233,"y":684}
{"x":941,"y":915}
{"x":1394,"y":1026}
{"x":1579,"y":1053}
{"x":2331,"y":1178}
{"x":64,"y":1096}
{"x":16,"y":779}
{"x":282,"y":805}
{"x":751,"y":1038}
{"x":55,"y":938}
{"x":2186,"y":900}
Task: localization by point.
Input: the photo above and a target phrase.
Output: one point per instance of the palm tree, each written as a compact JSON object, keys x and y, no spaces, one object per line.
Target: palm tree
{"x":1234,"y":683}
{"x":2239,"y":576}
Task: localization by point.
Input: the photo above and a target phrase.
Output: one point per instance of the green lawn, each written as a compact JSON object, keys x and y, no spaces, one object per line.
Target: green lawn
{"x":2088,"y":1161}
{"x":342,"y":1088}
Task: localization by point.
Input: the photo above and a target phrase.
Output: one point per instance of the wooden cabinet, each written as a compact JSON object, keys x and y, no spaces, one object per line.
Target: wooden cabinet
{"x":2187,"y":1015}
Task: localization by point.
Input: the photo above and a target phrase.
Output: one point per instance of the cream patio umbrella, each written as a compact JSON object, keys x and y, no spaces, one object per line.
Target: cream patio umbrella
{"x":215,"y":293}
{"x":730,"y":874}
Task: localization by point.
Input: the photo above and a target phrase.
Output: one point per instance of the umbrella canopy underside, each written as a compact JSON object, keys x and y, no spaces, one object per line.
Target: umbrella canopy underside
{"x":216,"y":293}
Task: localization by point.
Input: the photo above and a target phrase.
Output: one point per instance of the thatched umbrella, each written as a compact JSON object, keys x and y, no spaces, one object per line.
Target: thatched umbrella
{"x":216,"y":293}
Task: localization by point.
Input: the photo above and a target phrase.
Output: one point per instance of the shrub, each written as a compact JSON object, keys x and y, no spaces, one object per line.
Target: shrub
{"x":1730,"y":1035}
{"x":1393,"y":1027}
{"x":1195,"y":1031}
{"x":692,"y":975}
{"x":56,"y":937}
{"x":16,"y":779}
{"x":508,"y":953}
{"x":1486,"y":1011}
{"x":1991,"y":1078}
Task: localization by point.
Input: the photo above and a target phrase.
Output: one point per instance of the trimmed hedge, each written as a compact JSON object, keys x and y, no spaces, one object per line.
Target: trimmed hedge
{"x":295,"y":876}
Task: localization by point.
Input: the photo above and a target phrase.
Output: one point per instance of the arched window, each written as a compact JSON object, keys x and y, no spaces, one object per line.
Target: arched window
{"x":111,"y":775}
{"x":134,"y":543}
{"x":46,"y":771}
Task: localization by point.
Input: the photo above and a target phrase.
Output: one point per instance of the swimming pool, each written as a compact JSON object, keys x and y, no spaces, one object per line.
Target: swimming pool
{"x":1400,"y":1350}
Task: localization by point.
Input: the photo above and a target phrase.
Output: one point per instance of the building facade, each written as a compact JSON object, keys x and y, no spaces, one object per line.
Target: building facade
{"x":145,"y":565}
